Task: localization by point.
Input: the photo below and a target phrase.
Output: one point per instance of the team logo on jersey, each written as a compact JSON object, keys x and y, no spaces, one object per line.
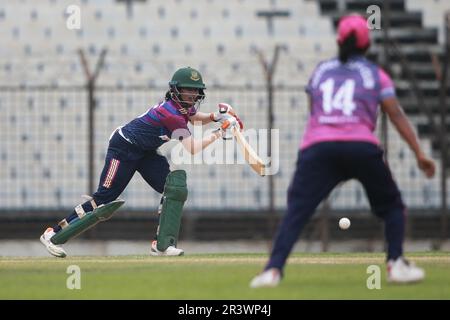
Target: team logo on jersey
{"x":195,"y":76}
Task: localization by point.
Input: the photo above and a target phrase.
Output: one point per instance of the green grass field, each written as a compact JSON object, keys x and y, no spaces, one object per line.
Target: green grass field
{"x":218,"y":276}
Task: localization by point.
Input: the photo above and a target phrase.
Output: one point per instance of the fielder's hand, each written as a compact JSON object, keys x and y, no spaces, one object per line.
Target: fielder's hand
{"x":426,"y":164}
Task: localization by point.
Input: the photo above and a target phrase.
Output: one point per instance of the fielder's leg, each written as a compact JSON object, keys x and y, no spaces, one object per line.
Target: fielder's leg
{"x":316,"y":175}
{"x":384,"y":196}
{"x":386,"y":202}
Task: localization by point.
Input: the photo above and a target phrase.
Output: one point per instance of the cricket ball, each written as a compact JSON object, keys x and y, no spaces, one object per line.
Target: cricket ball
{"x":344,"y":223}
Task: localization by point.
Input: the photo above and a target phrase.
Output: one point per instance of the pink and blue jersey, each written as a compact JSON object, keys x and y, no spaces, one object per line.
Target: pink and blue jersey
{"x":155,"y":127}
{"x":345,"y":99}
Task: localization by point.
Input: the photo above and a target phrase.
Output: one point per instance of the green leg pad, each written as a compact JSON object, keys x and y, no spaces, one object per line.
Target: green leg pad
{"x":174,"y":195}
{"x":78,"y":226}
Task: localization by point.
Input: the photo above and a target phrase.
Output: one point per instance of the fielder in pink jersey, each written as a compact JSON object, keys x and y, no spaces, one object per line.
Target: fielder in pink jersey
{"x":339,"y":144}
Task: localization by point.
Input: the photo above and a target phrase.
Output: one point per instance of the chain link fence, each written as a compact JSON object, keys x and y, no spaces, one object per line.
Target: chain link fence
{"x":44,"y":151}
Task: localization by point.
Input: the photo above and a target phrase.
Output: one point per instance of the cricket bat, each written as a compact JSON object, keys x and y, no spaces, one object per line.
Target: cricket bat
{"x":250,"y":155}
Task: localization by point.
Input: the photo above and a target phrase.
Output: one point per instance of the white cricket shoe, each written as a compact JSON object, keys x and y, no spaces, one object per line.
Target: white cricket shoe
{"x":170,"y":251}
{"x":52,"y":248}
{"x":402,"y":271}
{"x":269,"y":278}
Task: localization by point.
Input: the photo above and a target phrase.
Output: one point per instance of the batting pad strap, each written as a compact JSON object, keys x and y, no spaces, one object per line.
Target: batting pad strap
{"x":63,"y":223}
{"x":91,"y":201}
{"x":80,"y":211}
{"x":160,"y":205}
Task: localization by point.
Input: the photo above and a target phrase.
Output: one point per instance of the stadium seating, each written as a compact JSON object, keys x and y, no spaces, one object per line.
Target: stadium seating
{"x":145,"y":46}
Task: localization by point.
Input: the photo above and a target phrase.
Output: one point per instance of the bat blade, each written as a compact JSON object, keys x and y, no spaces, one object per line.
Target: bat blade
{"x":250,"y":155}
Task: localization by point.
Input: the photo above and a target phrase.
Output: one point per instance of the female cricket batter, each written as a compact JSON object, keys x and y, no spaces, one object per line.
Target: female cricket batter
{"x":339,"y":144}
{"x":133,"y":147}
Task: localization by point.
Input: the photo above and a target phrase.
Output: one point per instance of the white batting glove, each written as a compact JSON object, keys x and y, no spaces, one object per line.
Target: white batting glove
{"x":219,"y":116}
{"x":227,"y":125}
{"x":226,"y":112}
{"x":222,"y":117}
{"x":226,"y":108}
{"x":229,"y":122}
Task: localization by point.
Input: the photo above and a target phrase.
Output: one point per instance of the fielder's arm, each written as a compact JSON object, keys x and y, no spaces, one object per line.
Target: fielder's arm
{"x":395,"y":113}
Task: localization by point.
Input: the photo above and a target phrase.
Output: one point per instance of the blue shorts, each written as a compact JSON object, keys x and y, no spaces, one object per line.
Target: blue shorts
{"x":122,"y":160}
{"x":322,"y":166}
